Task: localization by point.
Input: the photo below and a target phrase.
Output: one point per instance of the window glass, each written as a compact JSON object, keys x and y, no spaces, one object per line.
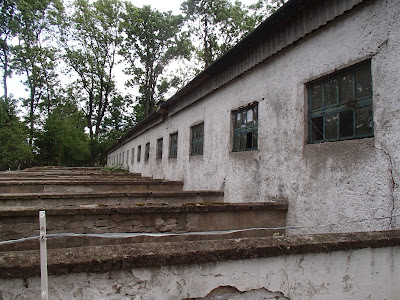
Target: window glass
{"x":197,"y":136}
{"x":364,"y":121}
{"x":317,"y":128}
{"x":331,"y":92}
{"x":159,"y":148}
{"x":245,"y":131}
{"x":147,"y":152}
{"x":363,"y":85}
{"x":139,"y":153}
{"x":173,"y":145}
{"x":331,"y":122}
{"x":316,"y":96}
{"x":346,"y":124}
{"x":346,"y":87}
{"x":345,"y":108}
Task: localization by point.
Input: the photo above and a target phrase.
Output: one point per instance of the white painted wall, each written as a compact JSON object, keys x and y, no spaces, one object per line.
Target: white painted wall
{"x":324,"y":183}
{"x":358,"y":274}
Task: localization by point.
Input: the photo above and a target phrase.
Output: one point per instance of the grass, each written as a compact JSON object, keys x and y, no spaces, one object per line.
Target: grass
{"x":115,"y":169}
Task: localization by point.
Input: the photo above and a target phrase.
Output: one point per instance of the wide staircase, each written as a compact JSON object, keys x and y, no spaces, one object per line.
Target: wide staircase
{"x":88,"y":209}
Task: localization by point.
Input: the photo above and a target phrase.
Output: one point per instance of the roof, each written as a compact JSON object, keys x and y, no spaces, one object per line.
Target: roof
{"x":291,"y":22}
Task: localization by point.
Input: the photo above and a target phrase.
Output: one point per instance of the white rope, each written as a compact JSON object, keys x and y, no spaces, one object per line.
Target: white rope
{"x":219,"y":232}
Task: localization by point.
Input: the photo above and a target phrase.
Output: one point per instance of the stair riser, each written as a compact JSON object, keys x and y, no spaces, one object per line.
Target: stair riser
{"x":89,"y":188}
{"x":49,"y":203}
{"x":172,"y":222}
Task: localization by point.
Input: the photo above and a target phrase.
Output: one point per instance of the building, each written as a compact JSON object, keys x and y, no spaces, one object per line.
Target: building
{"x":305,"y":108}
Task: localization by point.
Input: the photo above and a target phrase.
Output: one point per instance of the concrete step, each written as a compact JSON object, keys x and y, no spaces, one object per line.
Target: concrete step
{"x":20,"y":222}
{"x":56,"y":168}
{"x":87,"y":186}
{"x":128,"y":256}
{"x":14,"y":175}
{"x":43,"y":201}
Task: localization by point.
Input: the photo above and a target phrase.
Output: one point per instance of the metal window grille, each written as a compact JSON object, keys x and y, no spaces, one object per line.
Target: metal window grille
{"x":159,"y":148}
{"x":139,"y":153}
{"x":173,"y":145}
{"x":147,"y":152}
{"x":197,"y":134}
{"x":245,"y":128}
{"x":340,"y":105}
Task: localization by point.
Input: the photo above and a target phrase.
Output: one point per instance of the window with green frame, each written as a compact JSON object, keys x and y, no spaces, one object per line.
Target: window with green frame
{"x":197,"y":135}
{"x":173,"y":145}
{"x":340,"y":105}
{"x":245,"y":128}
{"x":159,"y":148}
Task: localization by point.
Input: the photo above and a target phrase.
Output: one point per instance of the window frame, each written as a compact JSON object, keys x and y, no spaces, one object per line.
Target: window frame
{"x":173,"y":145}
{"x":337,"y":111}
{"x":147,"y":152}
{"x":159,"y":149}
{"x":197,"y":139}
{"x":139,"y":153}
{"x":245,"y":130}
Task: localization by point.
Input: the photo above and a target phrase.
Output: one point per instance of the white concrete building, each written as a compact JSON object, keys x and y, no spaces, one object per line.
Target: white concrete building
{"x":306,"y":108}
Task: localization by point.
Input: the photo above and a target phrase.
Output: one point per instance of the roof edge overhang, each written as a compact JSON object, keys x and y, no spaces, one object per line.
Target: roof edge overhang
{"x":271,"y":27}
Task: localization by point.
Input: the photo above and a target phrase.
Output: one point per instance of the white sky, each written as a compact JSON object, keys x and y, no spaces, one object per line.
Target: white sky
{"x":17,"y":89}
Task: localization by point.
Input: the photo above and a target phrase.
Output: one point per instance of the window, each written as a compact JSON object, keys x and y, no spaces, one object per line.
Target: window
{"x":245,"y":128}
{"x":133,"y":156}
{"x":197,"y":135}
{"x":340,"y":105}
{"x":139,"y":153}
{"x":127,"y":157}
{"x":147,"y":152}
{"x":159,"y":148}
{"x":173,"y":145}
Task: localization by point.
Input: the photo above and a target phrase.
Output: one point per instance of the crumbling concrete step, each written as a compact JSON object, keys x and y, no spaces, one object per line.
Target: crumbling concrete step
{"x":44,"y":201}
{"x":88,"y":186}
{"x":25,"y":264}
{"x":73,"y":241}
{"x":14,"y":175}
{"x":73,"y":179}
{"x":55,"y":168}
{"x":23,"y":222}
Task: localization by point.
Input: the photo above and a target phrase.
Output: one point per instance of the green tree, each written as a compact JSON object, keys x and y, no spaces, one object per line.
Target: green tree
{"x":15,"y":151}
{"x":217,"y":25}
{"x":34,"y":58}
{"x":153,"y":40}
{"x":90,"y":37}
{"x":63,"y":140}
{"x":262,"y":9}
{"x":8,"y":23}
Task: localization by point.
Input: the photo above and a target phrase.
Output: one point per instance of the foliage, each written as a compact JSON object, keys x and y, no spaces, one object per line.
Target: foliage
{"x":14,"y":149}
{"x":63,"y":141}
{"x":91,"y":37}
{"x":153,"y":39}
{"x":34,"y":58}
{"x":8,"y":23}
{"x":115,"y":169}
{"x":75,"y":123}
{"x":264,"y":8}
{"x":217,"y":25}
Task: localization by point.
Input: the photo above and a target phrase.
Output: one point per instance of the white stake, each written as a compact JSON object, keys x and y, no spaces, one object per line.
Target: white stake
{"x":43,"y":256}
